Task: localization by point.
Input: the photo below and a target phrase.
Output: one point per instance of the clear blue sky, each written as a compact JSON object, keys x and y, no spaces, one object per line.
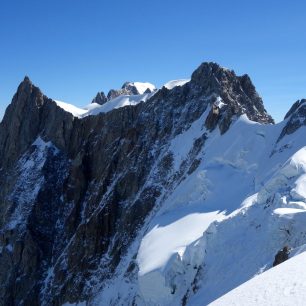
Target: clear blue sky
{"x":71,"y":48}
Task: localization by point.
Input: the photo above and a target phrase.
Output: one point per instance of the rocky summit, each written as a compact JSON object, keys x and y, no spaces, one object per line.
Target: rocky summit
{"x":128,"y":88}
{"x":167,"y":197}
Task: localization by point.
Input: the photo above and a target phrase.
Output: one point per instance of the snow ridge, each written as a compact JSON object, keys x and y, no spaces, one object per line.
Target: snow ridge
{"x":95,"y":109}
{"x":121,"y":101}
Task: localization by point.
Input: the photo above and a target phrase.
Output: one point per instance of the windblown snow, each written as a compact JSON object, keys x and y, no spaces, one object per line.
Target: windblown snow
{"x":171,"y":84}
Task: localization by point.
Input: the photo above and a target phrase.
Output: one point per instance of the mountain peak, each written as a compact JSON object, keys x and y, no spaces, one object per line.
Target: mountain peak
{"x":238,"y":95}
{"x":27,"y":79}
{"x":100,"y":98}
{"x":211,"y":69}
{"x":139,"y":87}
{"x":25,"y":85}
{"x":21,"y":121}
{"x":296,"y":118}
{"x":131,"y":88}
{"x":295,"y":107}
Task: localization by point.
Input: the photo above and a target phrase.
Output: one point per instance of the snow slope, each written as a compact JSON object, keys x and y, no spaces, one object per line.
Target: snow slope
{"x":284,"y":284}
{"x":94,"y":108}
{"x":162,"y":245}
{"x":70,"y":108}
{"x":245,"y":242}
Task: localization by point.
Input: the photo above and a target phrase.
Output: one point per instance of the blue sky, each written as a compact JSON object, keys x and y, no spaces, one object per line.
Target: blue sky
{"x":71,"y":48}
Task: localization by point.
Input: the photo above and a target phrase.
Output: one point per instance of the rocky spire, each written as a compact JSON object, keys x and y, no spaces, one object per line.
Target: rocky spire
{"x":30,"y":114}
{"x":296,"y":118}
{"x":100,"y":98}
{"x":20,"y":122}
{"x":298,"y":108}
{"x":26,"y":80}
{"x":237,"y":93}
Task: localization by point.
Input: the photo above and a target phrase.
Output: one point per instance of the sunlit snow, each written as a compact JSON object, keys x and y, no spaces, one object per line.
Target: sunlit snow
{"x":285,"y":284}
{"x":174,"y":83}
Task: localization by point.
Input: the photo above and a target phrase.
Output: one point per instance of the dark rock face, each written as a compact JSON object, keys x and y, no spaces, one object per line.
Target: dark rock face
{"x":74,"y":192}
{"x":29,"y":113}
{"x":112,"y":94}
{"x":148,"y":90}
{"x":100,"y":98}
{"x":29,"y":233}
{"x":281,"y":256}
{"x":237,"y":93}
{"x":296,"y":118}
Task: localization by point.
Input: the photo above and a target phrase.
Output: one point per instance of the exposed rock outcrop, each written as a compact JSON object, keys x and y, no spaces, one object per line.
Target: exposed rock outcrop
{"x":238,"y":94}
{"x":100,"y":98}
{"x":296,"y":117}
{"x":281,"y":256}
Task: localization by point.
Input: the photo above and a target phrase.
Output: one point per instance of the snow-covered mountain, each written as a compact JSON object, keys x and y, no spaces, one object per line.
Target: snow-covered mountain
{"x":173,"y":196}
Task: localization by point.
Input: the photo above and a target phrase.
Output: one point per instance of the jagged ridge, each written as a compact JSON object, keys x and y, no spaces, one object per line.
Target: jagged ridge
{"x":113,"y":170}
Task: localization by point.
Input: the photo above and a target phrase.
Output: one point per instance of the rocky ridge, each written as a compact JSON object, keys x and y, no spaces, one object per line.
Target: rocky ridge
{"x":75,"y":193}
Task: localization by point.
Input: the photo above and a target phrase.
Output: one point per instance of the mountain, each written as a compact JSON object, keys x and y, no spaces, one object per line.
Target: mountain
{"x":169,"y":197}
